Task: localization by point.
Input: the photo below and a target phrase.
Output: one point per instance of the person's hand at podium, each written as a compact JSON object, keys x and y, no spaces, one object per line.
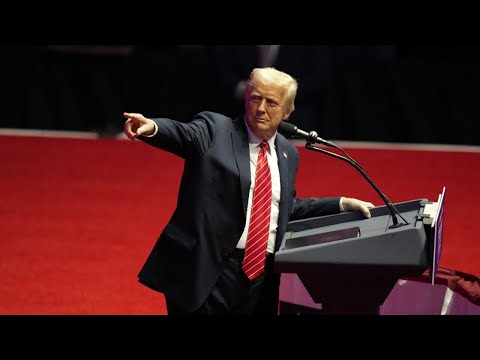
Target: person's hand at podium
{"x":352,"y":204}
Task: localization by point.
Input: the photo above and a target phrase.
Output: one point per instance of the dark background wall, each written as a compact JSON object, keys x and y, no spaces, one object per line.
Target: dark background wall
{"x":422,"y":93}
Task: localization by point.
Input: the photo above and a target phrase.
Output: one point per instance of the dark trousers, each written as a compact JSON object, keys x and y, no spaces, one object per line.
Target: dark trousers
{"x":235,"y":294}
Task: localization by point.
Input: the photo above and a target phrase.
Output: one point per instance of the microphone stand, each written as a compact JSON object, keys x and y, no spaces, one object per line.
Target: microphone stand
{"x":352,"y":162}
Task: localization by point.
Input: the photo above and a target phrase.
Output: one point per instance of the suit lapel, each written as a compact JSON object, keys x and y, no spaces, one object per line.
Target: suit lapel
{"x":242,"y":158}
{"x":283,"y":169}
{"x":284,"y":186}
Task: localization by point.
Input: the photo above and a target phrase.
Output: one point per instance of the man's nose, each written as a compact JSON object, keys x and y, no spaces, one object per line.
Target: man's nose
{"x":261,"y":106}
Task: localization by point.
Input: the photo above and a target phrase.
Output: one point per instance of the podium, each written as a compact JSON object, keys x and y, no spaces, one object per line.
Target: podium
{"x":349,"y":263}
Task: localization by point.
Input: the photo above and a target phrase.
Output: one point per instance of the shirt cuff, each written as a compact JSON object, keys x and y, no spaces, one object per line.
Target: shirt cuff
{"x":340,"y":205}
{"x":155,"y":132}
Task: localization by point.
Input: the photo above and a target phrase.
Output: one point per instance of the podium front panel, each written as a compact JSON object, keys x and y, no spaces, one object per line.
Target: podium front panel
{"x":350,"y":243}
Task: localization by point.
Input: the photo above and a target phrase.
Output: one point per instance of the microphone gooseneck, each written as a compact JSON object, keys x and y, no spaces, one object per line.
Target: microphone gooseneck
{"x":290,"y":130}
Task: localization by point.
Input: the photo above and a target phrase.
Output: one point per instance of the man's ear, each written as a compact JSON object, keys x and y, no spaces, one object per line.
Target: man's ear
{"x":286,"y":116}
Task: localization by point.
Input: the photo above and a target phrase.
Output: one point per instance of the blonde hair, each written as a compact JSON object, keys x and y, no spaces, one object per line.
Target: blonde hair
{"x":272,"y":76}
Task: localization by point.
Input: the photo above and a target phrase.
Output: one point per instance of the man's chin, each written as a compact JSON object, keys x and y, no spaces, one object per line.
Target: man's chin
{"x":262,"y":124}
{"x":262,"y":129}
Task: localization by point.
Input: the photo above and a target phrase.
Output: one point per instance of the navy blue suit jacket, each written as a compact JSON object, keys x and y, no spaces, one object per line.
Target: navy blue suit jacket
{"x":210,"y":216}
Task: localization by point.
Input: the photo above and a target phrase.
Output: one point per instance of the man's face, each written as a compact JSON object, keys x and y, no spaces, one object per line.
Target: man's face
{"x":265,"y":109}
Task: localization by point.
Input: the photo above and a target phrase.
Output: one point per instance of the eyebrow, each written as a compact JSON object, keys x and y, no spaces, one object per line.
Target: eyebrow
{"x":270,"y":97}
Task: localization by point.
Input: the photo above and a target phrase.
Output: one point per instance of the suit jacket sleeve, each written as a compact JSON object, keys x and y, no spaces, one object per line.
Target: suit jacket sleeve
{"x":186,"y":140}
{"x":302,"y":208}
{"x":312,"y":207}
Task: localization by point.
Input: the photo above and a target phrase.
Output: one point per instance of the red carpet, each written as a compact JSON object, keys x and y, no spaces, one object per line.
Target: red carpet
{"x":79,"y":216}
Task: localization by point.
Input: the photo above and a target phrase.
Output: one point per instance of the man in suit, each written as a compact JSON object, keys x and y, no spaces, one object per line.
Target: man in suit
{"x":197,"y":262}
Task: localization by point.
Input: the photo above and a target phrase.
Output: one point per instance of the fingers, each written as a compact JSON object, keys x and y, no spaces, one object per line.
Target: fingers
{"x":355,"y":204}
{"x":368,"y":204}
{"x":127,"y":129}
{"x":364,"y":208}
{"x":130,"y":116}
{"x":365,"y":211}
{"x":133,"y":124}
{"x":136,"y":125}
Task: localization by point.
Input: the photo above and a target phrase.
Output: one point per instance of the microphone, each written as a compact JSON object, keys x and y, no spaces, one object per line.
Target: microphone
{"x":288,"y":129}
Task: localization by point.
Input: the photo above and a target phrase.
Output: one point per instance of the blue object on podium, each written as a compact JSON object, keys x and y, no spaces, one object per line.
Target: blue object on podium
{"x":349,"y":263}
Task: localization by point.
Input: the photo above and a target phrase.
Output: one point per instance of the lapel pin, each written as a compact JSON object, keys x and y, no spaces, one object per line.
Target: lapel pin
{"x":284,"y":154}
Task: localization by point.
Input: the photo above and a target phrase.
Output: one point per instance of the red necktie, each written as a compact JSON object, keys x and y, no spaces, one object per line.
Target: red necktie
{"x":258,"y":230}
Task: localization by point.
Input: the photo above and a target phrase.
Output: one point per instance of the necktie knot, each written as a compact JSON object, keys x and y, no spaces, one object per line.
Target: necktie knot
{"x":264,"y":145}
